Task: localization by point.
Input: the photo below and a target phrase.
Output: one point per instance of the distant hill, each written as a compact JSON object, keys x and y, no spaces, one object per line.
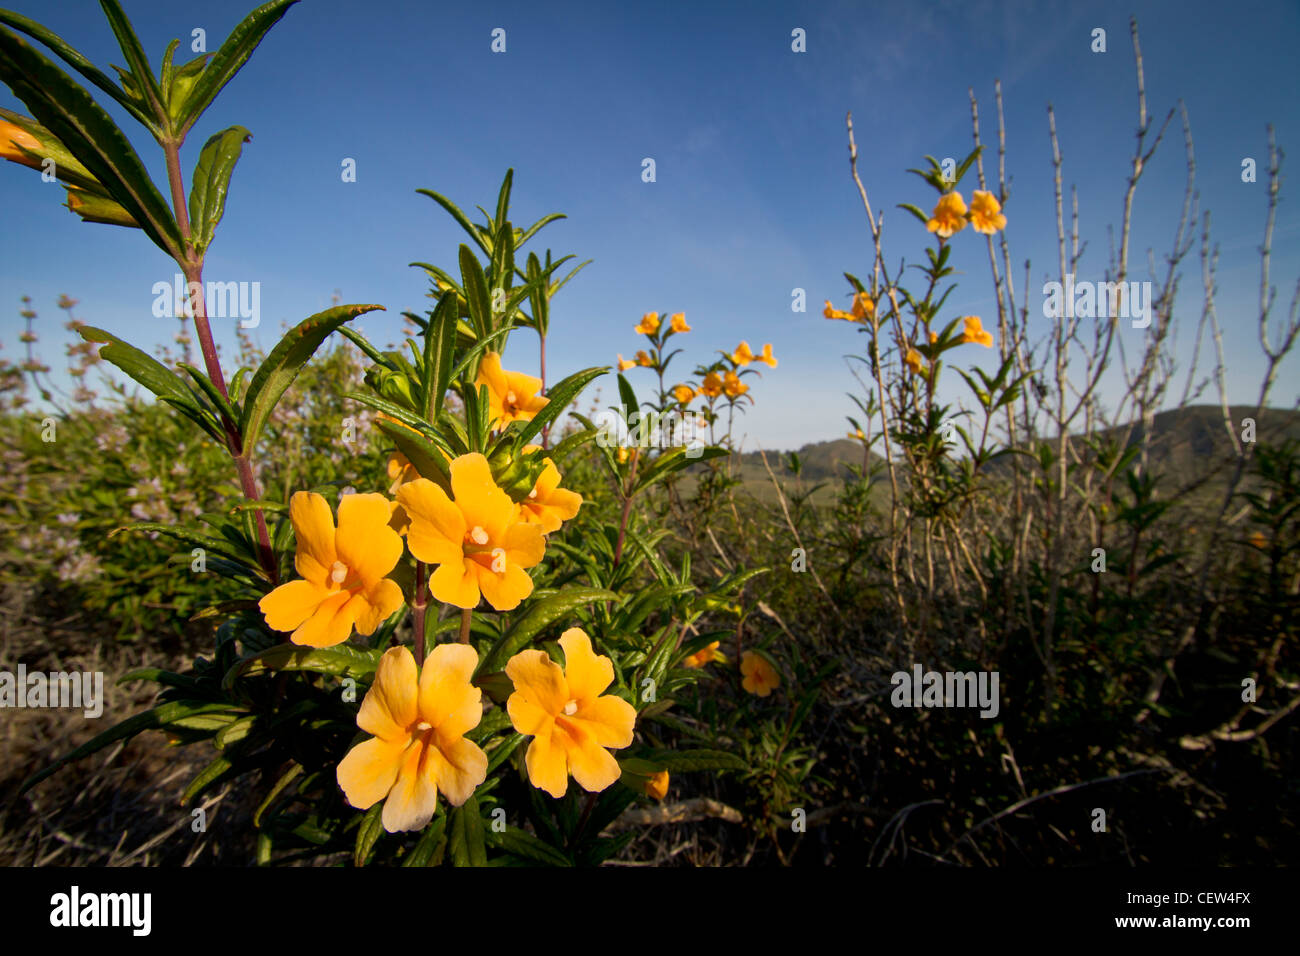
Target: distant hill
{"x":1187,"y":442}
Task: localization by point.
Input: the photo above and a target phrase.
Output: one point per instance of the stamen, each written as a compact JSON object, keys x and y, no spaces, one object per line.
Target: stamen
{"x":510,"y":398}
{"x":338,"y":572}
{"x":478,"y":535}
{"x":533,"y":493}
{"x":571,"y":708}
{"x":423,"y":726}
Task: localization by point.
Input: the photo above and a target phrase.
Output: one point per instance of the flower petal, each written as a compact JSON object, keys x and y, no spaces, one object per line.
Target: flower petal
{"x":448,"y":700}
{"x":593,"y":766}
{"x":459,"y":765}
{"x":437,"y":531}
{"x":477,"y":495}
{"x":369,"y":771}
{"x":455,"y":582}
{"x":538,"y":681}
{"x":331,"y":623}
{"x":414,"y":797}
{"x":610,"y":720}
{"x":504,"y":590}
{"x":313,"y":528}
{"x":587,"y":674}
{"x":364,"y":541}
{"x":547,"y":766}
{"x":373,"y":606}
{"x":290,"y":604}
{"x":389,"y":707}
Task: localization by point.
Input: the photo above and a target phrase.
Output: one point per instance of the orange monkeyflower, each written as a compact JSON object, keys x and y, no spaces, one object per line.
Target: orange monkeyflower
{"x":733,"y":386}
{"x":679,"y":323}
{"x":625,"y":364}
{"x":934,"y":337}
{"x":626,"y":454}
{"x":701,"y":657}
{"x":974,"y":332}
{"x":419,"y":722}
{"x":643,"y":359}
{"x":913,"y":361}
{"x":649,"y":324}
{"x":13,"y":136}
{"x":711,"y":387}
{"x":864,"y":307}
{"x":767,"y":358}
{"x":512,"y":396}
{"x":571,"y":723}
{"x":548,"y":505}
{"x":949,"y":215}
{"x":742,"y":355}
{"x":1259,"y":540}
{"x":477,"y":540}
{"x":400,"y":471}
{"x":683,"y":394}
{"x":761,"y":677}
{"x":656,"y":787}
{"x":986,"y":213}
{"x":858,"y":435}
{"x":833,"y":313}
{"x":344,"y":572}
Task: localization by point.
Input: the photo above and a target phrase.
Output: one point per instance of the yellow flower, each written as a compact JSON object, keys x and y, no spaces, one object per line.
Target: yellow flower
{"x":733,"y":386}
{"x":949,"y":215}
{"x":742,"y":355}
{"x":711,"y":387}
{"x":419,"y":722}
{"x":570,"y":722}
{"x":767,"y":358}
{"x":512,"y":396}
{"x":625,"y":364}
{"x":858,"y":435}
{"x":649,"y":324}
{"x":761,"y":677}
{"x":625,"y":453}
{"x":657,"y":786}
{"x":683,"y":393}
{"x":913,"y":361}
{"x":1259,"y":540}
{"x":679,"y":323}
{"x":548,"y":505}
{"x":701,"y":657}
{"x":934,"y":337}
{"x":477,"y":540}
{"x":344,"y":572}
{"x":864,"y":307}
{"x":643,"y":358}
{"x":11,"y":137}
{"x":832,"y":313}
{"x":400,"y":471}
{"x":974,"y":332}
{"x":986,"y":213}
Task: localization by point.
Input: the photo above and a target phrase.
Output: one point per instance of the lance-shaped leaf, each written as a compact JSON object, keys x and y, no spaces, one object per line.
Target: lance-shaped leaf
{"x":211,"y":180}
{"x":136,"y":58}
{"x":232,"y":55}
{"x":153,"y":375}
{"x":439,"y":347}
{"x":75,"y":59}
{"x":455,"y":212}
{"x":92,"y":208}
{"x":67,"y":167}
{"x":69,"y":112}
{"x":541,"y":612}
{"x":558,"y":398}
{"x":281,"y":367}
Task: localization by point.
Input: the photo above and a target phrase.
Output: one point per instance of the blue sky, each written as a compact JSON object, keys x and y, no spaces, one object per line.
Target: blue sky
{"x":753,"y":196}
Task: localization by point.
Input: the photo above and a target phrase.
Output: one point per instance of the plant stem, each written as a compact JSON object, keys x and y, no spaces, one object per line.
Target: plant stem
{"x":466,"y":615}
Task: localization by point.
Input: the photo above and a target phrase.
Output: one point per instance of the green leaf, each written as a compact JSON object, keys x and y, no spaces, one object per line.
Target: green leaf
{"x":372,"y":826}
{"x":153,"y":375}
{"x":539,"y":615}
{"x":924,"y":219}
{"x":427,"y":850}
{"x":281,"y":367}
{"x":342,"y":660}
{"x":439,"y":349}
{"x":61,"y":105}
{"x":459,"y":216}
{"x":558,"y":398}
{"x":476,"y":292}
{"x":288,"y":777}
{"x":232,"y":55}
{"x":525,"y":846}
{"x":211,"y":180}
{"x":136,"y":58}
{"x":74,"y":59}
{"x":206,"y":777}
{"x":161,"y":716}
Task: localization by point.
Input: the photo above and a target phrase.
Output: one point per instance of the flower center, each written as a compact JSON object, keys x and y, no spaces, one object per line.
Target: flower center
{"x":533,"y":493}
{"x":510,"y":399}
{"x":338,"y":572}
{"x":478,"y":535}
{"x":570,"y":708}
{"x":423,"y":725}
